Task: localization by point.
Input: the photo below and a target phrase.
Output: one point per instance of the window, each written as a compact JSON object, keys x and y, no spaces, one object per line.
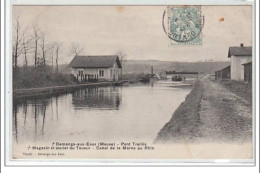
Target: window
{"x":101,"y":72}
{"x":80,"y":72}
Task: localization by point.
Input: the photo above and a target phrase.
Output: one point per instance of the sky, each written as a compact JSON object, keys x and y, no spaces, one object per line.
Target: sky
{"x":137,"y":31}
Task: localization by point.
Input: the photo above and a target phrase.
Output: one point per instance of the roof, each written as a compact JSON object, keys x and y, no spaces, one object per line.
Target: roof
{"x":248,"y":63}
{"x":223,"y":69}
{"x":95,"y":61}
{"x":240,"y":51}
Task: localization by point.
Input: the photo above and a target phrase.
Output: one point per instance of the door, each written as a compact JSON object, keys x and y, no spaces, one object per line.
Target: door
{"x":114,"y":75}
{"x":111,"y":74}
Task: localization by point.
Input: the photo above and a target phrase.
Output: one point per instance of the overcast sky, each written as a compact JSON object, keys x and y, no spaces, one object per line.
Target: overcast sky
{"x":137,"y":30}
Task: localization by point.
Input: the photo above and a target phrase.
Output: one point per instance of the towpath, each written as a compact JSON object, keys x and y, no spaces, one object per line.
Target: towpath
{"x":210,"y":113}
{"x":224,"y":115}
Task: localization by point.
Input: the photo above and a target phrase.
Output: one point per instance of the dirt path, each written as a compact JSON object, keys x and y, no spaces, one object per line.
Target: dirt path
{"x":210,"y":113}
{"x":224,"y":115}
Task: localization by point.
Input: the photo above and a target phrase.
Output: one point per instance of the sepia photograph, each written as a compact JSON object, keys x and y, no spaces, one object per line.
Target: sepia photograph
{"x":132,"y":82}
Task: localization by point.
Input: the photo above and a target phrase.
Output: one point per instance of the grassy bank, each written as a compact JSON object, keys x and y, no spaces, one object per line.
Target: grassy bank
{"x":44,"y":81}
{"x":241,"y":89}
{"x":185,"y":120}
{"x":38,"y":77}
{"x":56,"y":90}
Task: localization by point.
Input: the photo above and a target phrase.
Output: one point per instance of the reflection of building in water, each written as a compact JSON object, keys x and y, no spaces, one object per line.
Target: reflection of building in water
{"x":99,"y":98}
{"x":36,"y":119}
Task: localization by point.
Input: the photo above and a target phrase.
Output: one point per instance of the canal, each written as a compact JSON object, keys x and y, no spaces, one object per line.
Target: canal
{"x":134,"y":112}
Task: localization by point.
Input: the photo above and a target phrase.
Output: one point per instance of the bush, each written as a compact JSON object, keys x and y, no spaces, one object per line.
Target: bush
{"x":35,"y":77}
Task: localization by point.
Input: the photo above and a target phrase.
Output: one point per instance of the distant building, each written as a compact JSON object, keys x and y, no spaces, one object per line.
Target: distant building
{"x":223,"y":73}
{"x":239,"y":56}
{"x":96,"y":68}
{"x":248,"y":72}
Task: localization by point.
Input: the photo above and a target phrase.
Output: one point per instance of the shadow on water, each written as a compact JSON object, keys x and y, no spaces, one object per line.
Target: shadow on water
{"x":103,"y":98}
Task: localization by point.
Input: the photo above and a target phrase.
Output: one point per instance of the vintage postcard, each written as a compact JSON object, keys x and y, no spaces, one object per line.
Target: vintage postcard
{"x":141,"y":83}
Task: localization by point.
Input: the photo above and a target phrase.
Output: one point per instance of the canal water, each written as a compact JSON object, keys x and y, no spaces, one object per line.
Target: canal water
{"x":134,"y":112}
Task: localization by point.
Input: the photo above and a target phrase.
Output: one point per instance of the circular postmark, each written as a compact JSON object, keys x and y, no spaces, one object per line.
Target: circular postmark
{"x":184,"y":23}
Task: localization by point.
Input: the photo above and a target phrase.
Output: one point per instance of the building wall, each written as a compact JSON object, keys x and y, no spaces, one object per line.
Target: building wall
{"x":225,"y":73}
{"x":217,"y":75}
{"x":237,"y":69}
{"x":248,"y":72}
{"x":110,"y":74}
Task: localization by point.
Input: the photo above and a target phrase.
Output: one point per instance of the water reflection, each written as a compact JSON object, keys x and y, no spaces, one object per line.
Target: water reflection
{"x":37,"y":109}
{"x":29,"y":116}
{"x":97,"y":114}
{"x":15,"y":131}
{"x":105,"y":98}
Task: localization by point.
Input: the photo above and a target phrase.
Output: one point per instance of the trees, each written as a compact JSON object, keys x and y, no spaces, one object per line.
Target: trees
{"x":35,"y":47}
{"x":26,"y":46}
{"x":31,"y":47}
{"x":52,"y":52}
{"x":121,"y":55}
{"x":76,"y":49}
{"x":43,"y":47}
{"x":57,"y":49}
{"x":17,"y":47}
{"x":36,"y":38}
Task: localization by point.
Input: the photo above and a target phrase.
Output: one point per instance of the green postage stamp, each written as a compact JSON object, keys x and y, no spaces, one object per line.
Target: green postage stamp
{"x":185,"y":25}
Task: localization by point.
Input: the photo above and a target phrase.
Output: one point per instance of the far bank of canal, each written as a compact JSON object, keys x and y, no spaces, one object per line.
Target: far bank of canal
{"x":56,"y":90}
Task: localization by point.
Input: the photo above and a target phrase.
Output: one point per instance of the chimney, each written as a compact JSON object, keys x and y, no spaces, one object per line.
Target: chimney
{"x":241,"y":45}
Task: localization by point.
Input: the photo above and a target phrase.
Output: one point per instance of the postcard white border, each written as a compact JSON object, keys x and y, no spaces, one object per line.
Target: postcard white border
{"x":7,"y":73}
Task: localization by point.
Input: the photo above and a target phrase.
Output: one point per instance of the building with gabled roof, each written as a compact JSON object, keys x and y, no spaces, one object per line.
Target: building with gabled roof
{"x":223,"y":73}
{"x":96,"y":68}
{"x":239,"y":56}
